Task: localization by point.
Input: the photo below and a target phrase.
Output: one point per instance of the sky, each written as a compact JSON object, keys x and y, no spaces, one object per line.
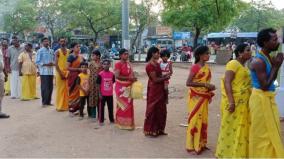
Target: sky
{"x":156,"y":8}
{"x":278,"y":4}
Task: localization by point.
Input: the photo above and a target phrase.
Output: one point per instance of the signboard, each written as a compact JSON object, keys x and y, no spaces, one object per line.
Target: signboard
{"x":162,"y":30}
{"x":218,"y":35}
{"x":228,"y":35}
{"x":247,"y":35}
{"x":181,"y":35}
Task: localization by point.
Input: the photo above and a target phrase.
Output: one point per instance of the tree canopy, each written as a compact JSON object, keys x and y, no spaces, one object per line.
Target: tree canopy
{"x":99,"y":17}
{"x":52,"y":16}
{"x":141,"y":16}
{"x":202,"y":15}
{"x":257,"y":16}
{"x":22,"y":18}
{"x":93,"y":16}
{"x":58,"y":16}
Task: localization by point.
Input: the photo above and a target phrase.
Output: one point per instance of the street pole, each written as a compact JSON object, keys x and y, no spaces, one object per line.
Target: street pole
{"x":125,"y":24}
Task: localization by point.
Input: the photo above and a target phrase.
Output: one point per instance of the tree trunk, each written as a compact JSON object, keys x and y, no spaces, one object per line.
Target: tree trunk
{"x":96,"y":37}
{"x":139,"y":41}
{"x":52,"y":35}
{"x":217,"y":7}
{"x":196,"y":36}
{"x":25,"y":36}
{"x":134,"y":39}
{"x":138,"y":46}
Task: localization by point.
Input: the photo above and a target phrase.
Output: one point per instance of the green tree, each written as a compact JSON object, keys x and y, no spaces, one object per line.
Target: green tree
{"x":141,"y":16}
{"x":6,"y":7}
{"x":259,"y":15}
{"x":93,"y":16}
{"x":202,"y":15}
{"x":52,"y":16}
{"x":21,"y":19}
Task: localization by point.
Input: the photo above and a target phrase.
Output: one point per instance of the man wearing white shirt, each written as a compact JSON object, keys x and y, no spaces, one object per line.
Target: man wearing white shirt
{"x":13,"y":54}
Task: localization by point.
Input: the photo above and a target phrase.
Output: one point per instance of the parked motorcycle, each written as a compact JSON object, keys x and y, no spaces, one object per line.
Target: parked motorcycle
{"x":174,"y":56}
{"x":185,"y":56}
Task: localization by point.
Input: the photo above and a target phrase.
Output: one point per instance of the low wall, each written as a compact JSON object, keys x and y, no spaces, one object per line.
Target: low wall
{"x":223,"y":56}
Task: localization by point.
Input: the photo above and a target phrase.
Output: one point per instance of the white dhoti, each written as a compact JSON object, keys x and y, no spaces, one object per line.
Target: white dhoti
{"x":1,"y":92}
{"x":15,"y":84}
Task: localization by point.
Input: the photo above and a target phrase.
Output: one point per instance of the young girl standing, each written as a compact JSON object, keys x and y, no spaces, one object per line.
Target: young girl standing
{"x":200,"y":94}
{"x":95,"y":68}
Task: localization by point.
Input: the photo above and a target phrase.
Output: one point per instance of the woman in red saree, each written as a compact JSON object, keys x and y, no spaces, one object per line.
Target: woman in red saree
{"x":124,"y":78}
{"x":156,"y":110}
{"x":200,"y":94}
{"x":73,"y":65}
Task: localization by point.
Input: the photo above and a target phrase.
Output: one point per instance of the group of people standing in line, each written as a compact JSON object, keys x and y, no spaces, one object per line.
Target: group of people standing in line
{"x":17,"y":62}
{"x":250,"y":125}
{"x":79,"y":82}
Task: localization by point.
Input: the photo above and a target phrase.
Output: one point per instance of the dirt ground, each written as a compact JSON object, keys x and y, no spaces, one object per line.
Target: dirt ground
{"x":33,"y":131}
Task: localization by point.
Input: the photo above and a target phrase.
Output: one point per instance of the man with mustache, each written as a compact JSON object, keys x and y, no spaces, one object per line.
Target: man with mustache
{"x":13,"y":55}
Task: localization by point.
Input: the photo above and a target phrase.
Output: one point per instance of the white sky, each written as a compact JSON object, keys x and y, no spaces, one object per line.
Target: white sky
{"x":155,"y":8}
{"x":278,"y":4}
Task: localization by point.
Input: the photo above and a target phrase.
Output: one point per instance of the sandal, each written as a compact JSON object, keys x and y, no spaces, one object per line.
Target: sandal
{"x":163,"y":133}
{"x":4,"y":116}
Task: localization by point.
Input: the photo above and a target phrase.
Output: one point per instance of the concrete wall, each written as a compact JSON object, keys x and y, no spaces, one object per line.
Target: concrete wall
{"x":223,"y":56}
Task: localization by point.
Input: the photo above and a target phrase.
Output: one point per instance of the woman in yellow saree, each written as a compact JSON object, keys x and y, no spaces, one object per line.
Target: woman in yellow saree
{"x":200,"y":94}
{"x":236,"y":90}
